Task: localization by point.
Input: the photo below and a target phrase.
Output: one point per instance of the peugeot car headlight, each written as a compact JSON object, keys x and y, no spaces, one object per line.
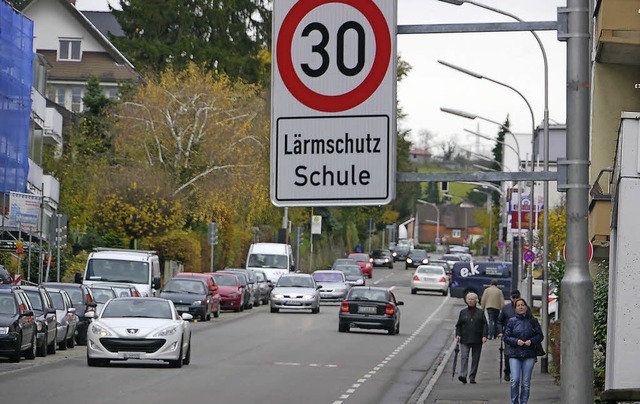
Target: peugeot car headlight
{"x":278,"y":296}
{"x":165,"y":332}
{"x":4,"y":330}
{"x":99,"y":330}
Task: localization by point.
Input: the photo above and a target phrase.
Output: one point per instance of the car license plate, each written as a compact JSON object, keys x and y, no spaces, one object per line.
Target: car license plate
{"x":131,"y":355}
{"x":367,"y":310}
{"x":292,"y":303}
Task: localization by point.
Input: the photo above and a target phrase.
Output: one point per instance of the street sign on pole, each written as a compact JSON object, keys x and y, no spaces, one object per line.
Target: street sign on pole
{"x":589,"y":251}
{"x":333,"y":111}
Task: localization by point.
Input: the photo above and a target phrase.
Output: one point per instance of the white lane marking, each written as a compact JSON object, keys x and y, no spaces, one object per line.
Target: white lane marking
{"x":383,"y":278}
{"x":287,"y":363}
{"x":396,"y":351}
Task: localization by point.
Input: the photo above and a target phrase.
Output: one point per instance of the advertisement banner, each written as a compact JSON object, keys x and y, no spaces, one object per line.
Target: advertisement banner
{"x":24,"y":211}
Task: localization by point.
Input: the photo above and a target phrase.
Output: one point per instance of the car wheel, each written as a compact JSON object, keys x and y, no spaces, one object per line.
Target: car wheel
{"x":444,"y":293}
{"x":96,"y":362}
{"x":42,"y":349}
{"x":414,"y":291}
{"x":31,"y":352}
{"x":71,"y":342}
{"x":257,"y":303}
{"x":392,"y":329}
{"x":370,"y":276}
{"x":398,"y":328}
{"x":391,"y":266}
{"x":81,"y":339}
{"x":51,"y":350}
{"x":187,"y":358}
{"x":15,"y":357}
{"x":342,"y":327}
{"x":178,"y":362}
{"x":204,"y":316}
{"x":316,"y":310}
{"x":275,"y":309}
{"x":238,"y":310}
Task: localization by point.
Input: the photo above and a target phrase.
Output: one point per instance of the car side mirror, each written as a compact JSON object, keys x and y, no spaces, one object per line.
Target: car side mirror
{"x":90,"y":314}
{"x":318,"y":287}
{"x":400,"y":303}
{"x":51,"y":310}
{"x":156,"y":283}
{"x":77,"y":278}
{"x":186,"y":316}
{"x":92,"y":304}
{"x":243,"y":265}
{"x":71,"y":310}
{"x":27,"y":313}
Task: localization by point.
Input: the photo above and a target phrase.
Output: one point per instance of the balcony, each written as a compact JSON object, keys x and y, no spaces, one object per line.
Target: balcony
{"x":618,"y":32}
{"x":38,"y":107}
{"x":600,"y":209}
{"x":52,"y":127}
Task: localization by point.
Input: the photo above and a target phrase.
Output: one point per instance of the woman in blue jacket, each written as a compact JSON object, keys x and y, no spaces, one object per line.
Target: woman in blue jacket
{"x":522,"y":334}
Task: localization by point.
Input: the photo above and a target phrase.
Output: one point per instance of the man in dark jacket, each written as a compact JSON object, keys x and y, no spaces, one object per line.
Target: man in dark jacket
{"x":506,"y":313}
{"x":471,"y":333}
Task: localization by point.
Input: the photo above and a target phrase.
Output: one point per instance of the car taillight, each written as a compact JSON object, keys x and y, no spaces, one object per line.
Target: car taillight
{"x":443,"y":280}
{"x":389,"y":309}
{"x":416,"y":278}
{"x":344,"y":307}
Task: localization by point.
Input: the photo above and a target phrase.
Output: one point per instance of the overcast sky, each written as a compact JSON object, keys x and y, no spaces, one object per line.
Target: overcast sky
{"x":513,"y":58}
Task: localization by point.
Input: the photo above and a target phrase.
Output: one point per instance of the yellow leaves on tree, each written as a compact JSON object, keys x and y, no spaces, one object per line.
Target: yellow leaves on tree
{"x":138,"y":212}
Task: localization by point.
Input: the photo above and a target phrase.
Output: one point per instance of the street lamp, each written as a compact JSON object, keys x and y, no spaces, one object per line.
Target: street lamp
{"x":437,"y":217}
{"x":545,"y":246}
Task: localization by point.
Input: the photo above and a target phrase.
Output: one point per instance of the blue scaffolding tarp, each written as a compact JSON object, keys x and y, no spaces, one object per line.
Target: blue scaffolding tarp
{"x":16,"y":77}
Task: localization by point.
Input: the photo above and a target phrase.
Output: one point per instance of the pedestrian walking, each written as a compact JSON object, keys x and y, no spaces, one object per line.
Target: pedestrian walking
{"x":508,"y":311}
{"x":471,"y":333}
{"x":522,"y":334}
{"x":492,"y":302}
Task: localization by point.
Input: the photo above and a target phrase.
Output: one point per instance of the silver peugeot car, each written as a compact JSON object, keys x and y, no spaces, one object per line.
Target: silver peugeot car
{"x":295,"y":292}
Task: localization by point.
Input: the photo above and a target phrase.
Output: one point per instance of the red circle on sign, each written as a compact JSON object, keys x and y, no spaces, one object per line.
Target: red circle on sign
{"x":353,"y":98}
{"x":589,"y":251}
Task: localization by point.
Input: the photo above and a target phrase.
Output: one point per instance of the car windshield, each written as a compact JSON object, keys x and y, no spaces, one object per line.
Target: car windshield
{"x":36,"y":299}
{"x":137,"y":307}
{"x":417,"y":254}
{"x":76,"y":295}
{"x":430,"y":270}
{"x":7,"y":304}
{"x":295,"y":282}
{"x":328,"y":277}
{"x":184,"y":286}
{"x":101,"y":295}
{"x":109,"y":270}
{"x":225,"y":280}
{"x":379,"y":254}
{"x":349,"y":270}
{"x":451,"y":258}
{"x":58,"y":301}
{"x":268,"y":261}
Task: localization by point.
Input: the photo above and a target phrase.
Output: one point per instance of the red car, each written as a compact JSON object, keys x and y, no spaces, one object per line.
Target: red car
{"x":365,"y":262}
{"x":231,"y":291}
{"x":212,"y":285}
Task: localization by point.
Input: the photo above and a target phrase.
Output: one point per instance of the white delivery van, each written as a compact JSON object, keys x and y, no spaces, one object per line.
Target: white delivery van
{"x":139,"y":268}
{"x":274,"y":259}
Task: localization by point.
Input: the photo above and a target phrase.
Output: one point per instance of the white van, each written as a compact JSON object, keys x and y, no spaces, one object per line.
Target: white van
{"x":274,"y":259}
{"x":139,"y":268}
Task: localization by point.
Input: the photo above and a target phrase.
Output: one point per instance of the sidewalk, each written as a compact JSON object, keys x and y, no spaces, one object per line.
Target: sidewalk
{"x":490,"y":387}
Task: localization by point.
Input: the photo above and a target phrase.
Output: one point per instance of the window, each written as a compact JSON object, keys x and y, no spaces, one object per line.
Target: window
{"x":456,"y":233}
{"x":69,"y":50}
{"x":76,"y":99}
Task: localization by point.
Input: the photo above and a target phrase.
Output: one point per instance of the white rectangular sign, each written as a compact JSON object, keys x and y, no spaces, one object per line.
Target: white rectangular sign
{"x":333,"y":120}
{"x":24,"y":211}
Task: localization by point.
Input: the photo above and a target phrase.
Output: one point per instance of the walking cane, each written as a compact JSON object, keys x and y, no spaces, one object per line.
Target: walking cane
{"x":501,"y":351}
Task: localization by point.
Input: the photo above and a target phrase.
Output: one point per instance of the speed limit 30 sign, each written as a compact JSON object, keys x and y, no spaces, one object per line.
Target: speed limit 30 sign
{"x":333,"y":102}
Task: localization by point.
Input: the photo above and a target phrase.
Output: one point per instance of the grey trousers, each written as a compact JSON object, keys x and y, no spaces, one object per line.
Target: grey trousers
{"x":475,"y":349}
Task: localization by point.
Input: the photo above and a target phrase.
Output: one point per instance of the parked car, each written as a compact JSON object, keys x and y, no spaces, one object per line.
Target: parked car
{"x":430,"y":278}
{"x":46,"y":319}
{"x":334,"y":285}
{"x":365,"y":263}
{"x":253,"y":283}
{"x":249,"y":292}
{"x":264,"y":286}
{"x":353,"y":273}
{"x":382,"y":258}
{"x":295,"y":292}
{"x":101,"y":294}
{"x":189,"y":295}
{"x":144,"y":328}
{"x":370,"y":308}
{"x":66,"y":317}
{"x":17,"y":325}
{"x":231,"y":291}
{"x":416,"y":257}
{"x":212,"y":285}
{"x":83,"y":301}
